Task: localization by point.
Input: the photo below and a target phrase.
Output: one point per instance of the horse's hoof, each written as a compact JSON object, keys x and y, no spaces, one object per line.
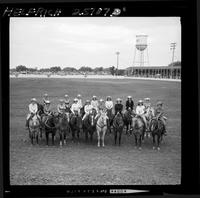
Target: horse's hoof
{"x":158,"y":148}
{"x":140,"y":148}
{"x":98,"y":145}
{"x":153,"y":147}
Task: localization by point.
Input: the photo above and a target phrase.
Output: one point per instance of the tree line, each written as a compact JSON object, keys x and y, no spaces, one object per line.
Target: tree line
{"x":84,"y":69}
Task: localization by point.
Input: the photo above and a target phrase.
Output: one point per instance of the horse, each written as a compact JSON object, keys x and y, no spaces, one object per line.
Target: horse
{"x":34,"y":128}
{"x":128,"y":115}
{"x":75,"y":125}
{"x":50,"y":127}
{"x":118,"y":125}
{"x":110,"y":116}
{"x":157,"y":130}
{"x":101,"y":126}
{"x":89,"y":126}
{"x":138,"y":128}
{"x":63,"y":127}
{"x":149,"y":115}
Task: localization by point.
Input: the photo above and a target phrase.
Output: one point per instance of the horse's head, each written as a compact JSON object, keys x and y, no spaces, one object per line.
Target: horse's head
{"x":91,"y":118}
{"x":137,"y":123}
{"x":34,"y":122}
{"x":153,"y":124}
{"x":118,"y":120}
{"x":103,"y":118}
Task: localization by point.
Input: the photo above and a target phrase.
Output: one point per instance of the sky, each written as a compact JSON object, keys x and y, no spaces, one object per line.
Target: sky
{"x":91,"y":41}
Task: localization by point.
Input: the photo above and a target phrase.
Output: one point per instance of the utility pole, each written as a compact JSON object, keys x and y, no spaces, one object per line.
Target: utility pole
{"x":117,"y":53}
{"x":172,"y":47}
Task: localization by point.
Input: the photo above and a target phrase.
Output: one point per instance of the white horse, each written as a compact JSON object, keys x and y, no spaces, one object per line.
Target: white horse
{"x":101,"y":127}
{"x":34,"y":128}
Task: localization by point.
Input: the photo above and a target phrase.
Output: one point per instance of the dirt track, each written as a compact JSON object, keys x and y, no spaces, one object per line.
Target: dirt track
{"x":84,"y":163}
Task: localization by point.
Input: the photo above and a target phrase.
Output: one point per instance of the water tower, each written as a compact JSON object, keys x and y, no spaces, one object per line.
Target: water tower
{"x":141,"y":57}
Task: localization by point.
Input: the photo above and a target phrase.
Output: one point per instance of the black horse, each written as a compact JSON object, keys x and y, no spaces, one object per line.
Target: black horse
{"x":157,"y":128}
{"x":110,"y":116}
{"x":118,"y":126}
{"x":75,"y":125}
{"x":89,"y":126}
{"x":50,"y":128}
{"x":128,"y":115}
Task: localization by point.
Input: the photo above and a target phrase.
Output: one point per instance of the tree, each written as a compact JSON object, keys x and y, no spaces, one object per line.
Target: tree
{"x":85,"y":69}
{"x":112,"y":70}
{"x":69,"y":69}
{"x":21,"y":68}
{"x":98,"y":69}
{"x":55,"y":69}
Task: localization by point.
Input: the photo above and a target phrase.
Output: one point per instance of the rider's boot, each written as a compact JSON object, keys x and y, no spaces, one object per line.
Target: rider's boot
{"x":26,"y":125}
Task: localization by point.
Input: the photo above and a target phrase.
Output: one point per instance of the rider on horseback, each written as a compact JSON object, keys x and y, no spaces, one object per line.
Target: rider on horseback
{"x":129,"y":103}
{"x":119,"y":106}
{"x":109,"y":103}
{"x":95,"y":103}
{"x":80,"y":100}
{"x":67,"y":107}
{"x":75,"y":106}
{"x":61,"y":107}
{"x":67,"y":100}
{"x":87,"y":109}
{"x":45,"y":98}
{"x":33,"y":110}
{"x":159,"y":111}
{"x":140,"y":112}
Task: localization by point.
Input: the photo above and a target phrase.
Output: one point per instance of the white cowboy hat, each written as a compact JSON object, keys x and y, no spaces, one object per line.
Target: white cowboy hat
{"x":79,"y":95}
{"x":129,"y":96}
{"x":75,"y":99}
{"x":61,"y":100}
{"x":67,"y":101}
{"x":159,"y":103}
{"x":66,"y":96}
{"x":118,"y":99}
{"x":147,"y":99}
{"x":48,"y":101}
{"x":45,"y":94}
{"x":94,"y":97}
{"x":87,"y":101}
{"x":33,"y":100}
{"x":140,"y":101}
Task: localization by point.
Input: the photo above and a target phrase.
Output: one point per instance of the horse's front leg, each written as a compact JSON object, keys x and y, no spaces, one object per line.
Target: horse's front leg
{"x":115,"y":132}
{"x":103,"y":136}
{"x":61,"y":142}
{"x":158,"y":142}
{"x":65,"y":135}
{"x":135,"y":136}
{"x":153,"y":135}
{"x":53,"y":134}
{"x":37,"y":137}
{"x":140,"y":142}
{"x":98,"y":137}
{"x":47,"y":138}
{"x":120,"y":134}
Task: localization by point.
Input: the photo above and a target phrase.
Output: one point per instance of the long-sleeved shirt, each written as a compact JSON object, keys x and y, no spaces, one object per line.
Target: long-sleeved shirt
{"x":88,"y":108}
{"x":140,"y":109}
{"x":33,"y":108}
{"x":95,"y":104}
{"x":80,"y":103}
{"x":47,"y":110}
{"x":109,"y":104}
{"x":118,"y":108}
{"x":129,"y":104}
{"x":75,"y":107}
{"x":61,"y":108}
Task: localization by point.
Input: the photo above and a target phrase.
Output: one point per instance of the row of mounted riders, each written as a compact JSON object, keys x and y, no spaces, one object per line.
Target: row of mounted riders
{"x":101,"y":122}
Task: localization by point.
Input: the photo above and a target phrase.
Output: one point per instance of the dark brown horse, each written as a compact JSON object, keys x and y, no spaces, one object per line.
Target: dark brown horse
{"x":110,"y":116}
{"x":128,"y":115}
{"x":50,"y":128}
{"x":89,"y":126}
{"x":75,"y":125}
{"x":157,"y":130}
{"x":118,"y":126}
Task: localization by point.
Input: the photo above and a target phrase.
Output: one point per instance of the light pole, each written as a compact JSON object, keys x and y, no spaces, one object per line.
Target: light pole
{"x":172,"y":47}
{"x":117,"y":53}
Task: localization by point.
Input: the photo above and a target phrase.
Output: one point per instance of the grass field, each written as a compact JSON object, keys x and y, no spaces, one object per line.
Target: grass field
{"x":84,"y":163}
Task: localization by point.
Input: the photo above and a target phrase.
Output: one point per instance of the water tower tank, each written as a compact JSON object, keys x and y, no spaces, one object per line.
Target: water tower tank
{"x":141,"y":42}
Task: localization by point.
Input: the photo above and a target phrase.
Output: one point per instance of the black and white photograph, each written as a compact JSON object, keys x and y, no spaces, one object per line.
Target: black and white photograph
{"x":95,"y":100}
